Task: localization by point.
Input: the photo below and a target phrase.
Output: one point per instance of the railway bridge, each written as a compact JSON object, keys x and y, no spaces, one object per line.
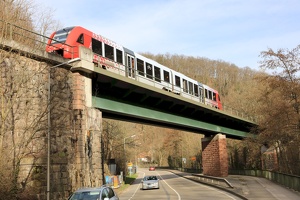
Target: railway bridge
{"x":81,"y":93}
{"x":123,"y":98}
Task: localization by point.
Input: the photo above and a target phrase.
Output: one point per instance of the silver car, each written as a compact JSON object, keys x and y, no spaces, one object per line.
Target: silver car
{"x":95,"y":193}
{"x":150,"y":182}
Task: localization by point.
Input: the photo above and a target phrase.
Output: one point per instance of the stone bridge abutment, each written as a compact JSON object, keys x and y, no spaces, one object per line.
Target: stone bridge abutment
{"x":87,"y":161}
{"x":75,"y":131}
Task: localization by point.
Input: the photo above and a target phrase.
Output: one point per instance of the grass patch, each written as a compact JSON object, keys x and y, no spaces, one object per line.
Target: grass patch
{"x":128,"y":180}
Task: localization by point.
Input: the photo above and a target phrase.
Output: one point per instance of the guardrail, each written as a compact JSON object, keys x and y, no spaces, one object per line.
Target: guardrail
{"x":290,"y":181}
{"x":211,"y":179}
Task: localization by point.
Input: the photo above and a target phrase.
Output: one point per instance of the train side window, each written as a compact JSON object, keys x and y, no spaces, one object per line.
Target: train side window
{"x":185,"y":85}
{"x":157,"y":74}
{"x":177,"y":81}
{"x":109,"y":52}
{"x":214,"y":96}
{"x":97,"y":46}
{"x":140,"y":67}
{"x":80,"y":39}
{"x":196,"y":89}
{"x":119,"y":56}
{"x":149,"y":71}
{"x":166,"y":76}
{"x":209,"y":94}
{"x":190,"y":88}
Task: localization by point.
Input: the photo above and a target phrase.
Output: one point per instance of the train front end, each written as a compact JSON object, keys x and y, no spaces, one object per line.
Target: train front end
{"x":58,"y":44}
{"x":219,"y":102}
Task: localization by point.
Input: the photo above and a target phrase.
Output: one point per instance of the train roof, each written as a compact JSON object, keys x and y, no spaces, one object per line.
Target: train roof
{"x":67,"y":29}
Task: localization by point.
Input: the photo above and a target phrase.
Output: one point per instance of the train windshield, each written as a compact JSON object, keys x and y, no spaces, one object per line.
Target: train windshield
{"x":61,"y":35}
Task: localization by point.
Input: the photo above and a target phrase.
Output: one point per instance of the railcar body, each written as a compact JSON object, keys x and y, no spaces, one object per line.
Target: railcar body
{"x":118,"y":59}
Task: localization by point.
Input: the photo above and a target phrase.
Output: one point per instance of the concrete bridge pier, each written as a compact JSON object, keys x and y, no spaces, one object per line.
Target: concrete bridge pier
{"x":214,"y":156}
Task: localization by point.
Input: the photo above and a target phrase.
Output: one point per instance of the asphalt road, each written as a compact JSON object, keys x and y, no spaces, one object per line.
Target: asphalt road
{"x":172,"y":187}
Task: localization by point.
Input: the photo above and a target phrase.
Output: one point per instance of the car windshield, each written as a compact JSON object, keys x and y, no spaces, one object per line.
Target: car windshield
{"x":61,"y":35}
{"x":91,"y":195}
{"x":150,"y":178}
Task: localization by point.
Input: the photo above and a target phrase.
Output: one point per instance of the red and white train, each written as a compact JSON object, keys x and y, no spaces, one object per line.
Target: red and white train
{"x":116,"y":58}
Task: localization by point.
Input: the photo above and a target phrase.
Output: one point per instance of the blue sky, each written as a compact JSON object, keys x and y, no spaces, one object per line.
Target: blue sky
{"x":235,"y":31}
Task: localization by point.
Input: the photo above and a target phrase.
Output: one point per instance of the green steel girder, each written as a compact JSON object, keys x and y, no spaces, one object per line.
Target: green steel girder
{"x":123,"y":98}
{"x":144,"y":98}
{"x":137,"y":113}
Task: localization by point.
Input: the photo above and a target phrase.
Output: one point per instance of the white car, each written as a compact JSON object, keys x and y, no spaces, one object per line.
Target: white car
{"x":150,"y":182}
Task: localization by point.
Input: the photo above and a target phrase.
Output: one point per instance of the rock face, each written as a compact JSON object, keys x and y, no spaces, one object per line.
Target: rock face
{"x":75,"y":129}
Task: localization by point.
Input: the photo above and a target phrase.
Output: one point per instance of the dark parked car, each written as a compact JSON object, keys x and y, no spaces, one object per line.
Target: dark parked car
{"x":95,"y":193}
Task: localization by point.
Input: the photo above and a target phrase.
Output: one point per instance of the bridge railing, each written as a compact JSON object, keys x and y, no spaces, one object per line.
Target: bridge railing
{"x":12,"y":32}
{"x":240,"y":114}
{"x":21,"y":35}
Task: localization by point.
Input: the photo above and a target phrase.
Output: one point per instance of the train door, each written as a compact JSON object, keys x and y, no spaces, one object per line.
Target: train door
{"x":172,"y":80}
{"x":130,"y":72}
{"x":201,"y":93}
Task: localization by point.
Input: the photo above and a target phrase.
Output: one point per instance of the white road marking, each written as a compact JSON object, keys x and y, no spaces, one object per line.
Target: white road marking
{"x":138,"y":186}
{"x":179,"y":197}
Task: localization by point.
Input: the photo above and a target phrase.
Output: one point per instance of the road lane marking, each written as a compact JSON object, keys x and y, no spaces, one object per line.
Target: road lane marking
{"x":179,"y":197}
{"x":138,"y":186}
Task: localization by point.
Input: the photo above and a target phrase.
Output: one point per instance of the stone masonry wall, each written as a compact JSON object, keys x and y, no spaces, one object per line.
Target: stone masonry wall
{"x":214,"y":156}
{"x":87,"y":167}
{"x":84,"y":160}
{"x":75,"y":128}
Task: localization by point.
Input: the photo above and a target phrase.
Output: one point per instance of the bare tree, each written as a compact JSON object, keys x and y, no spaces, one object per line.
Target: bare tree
{"x":43,"y":22}
{"x":281,"y":123}
{"x":26,"y":22}
{"x":112,"y":146}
